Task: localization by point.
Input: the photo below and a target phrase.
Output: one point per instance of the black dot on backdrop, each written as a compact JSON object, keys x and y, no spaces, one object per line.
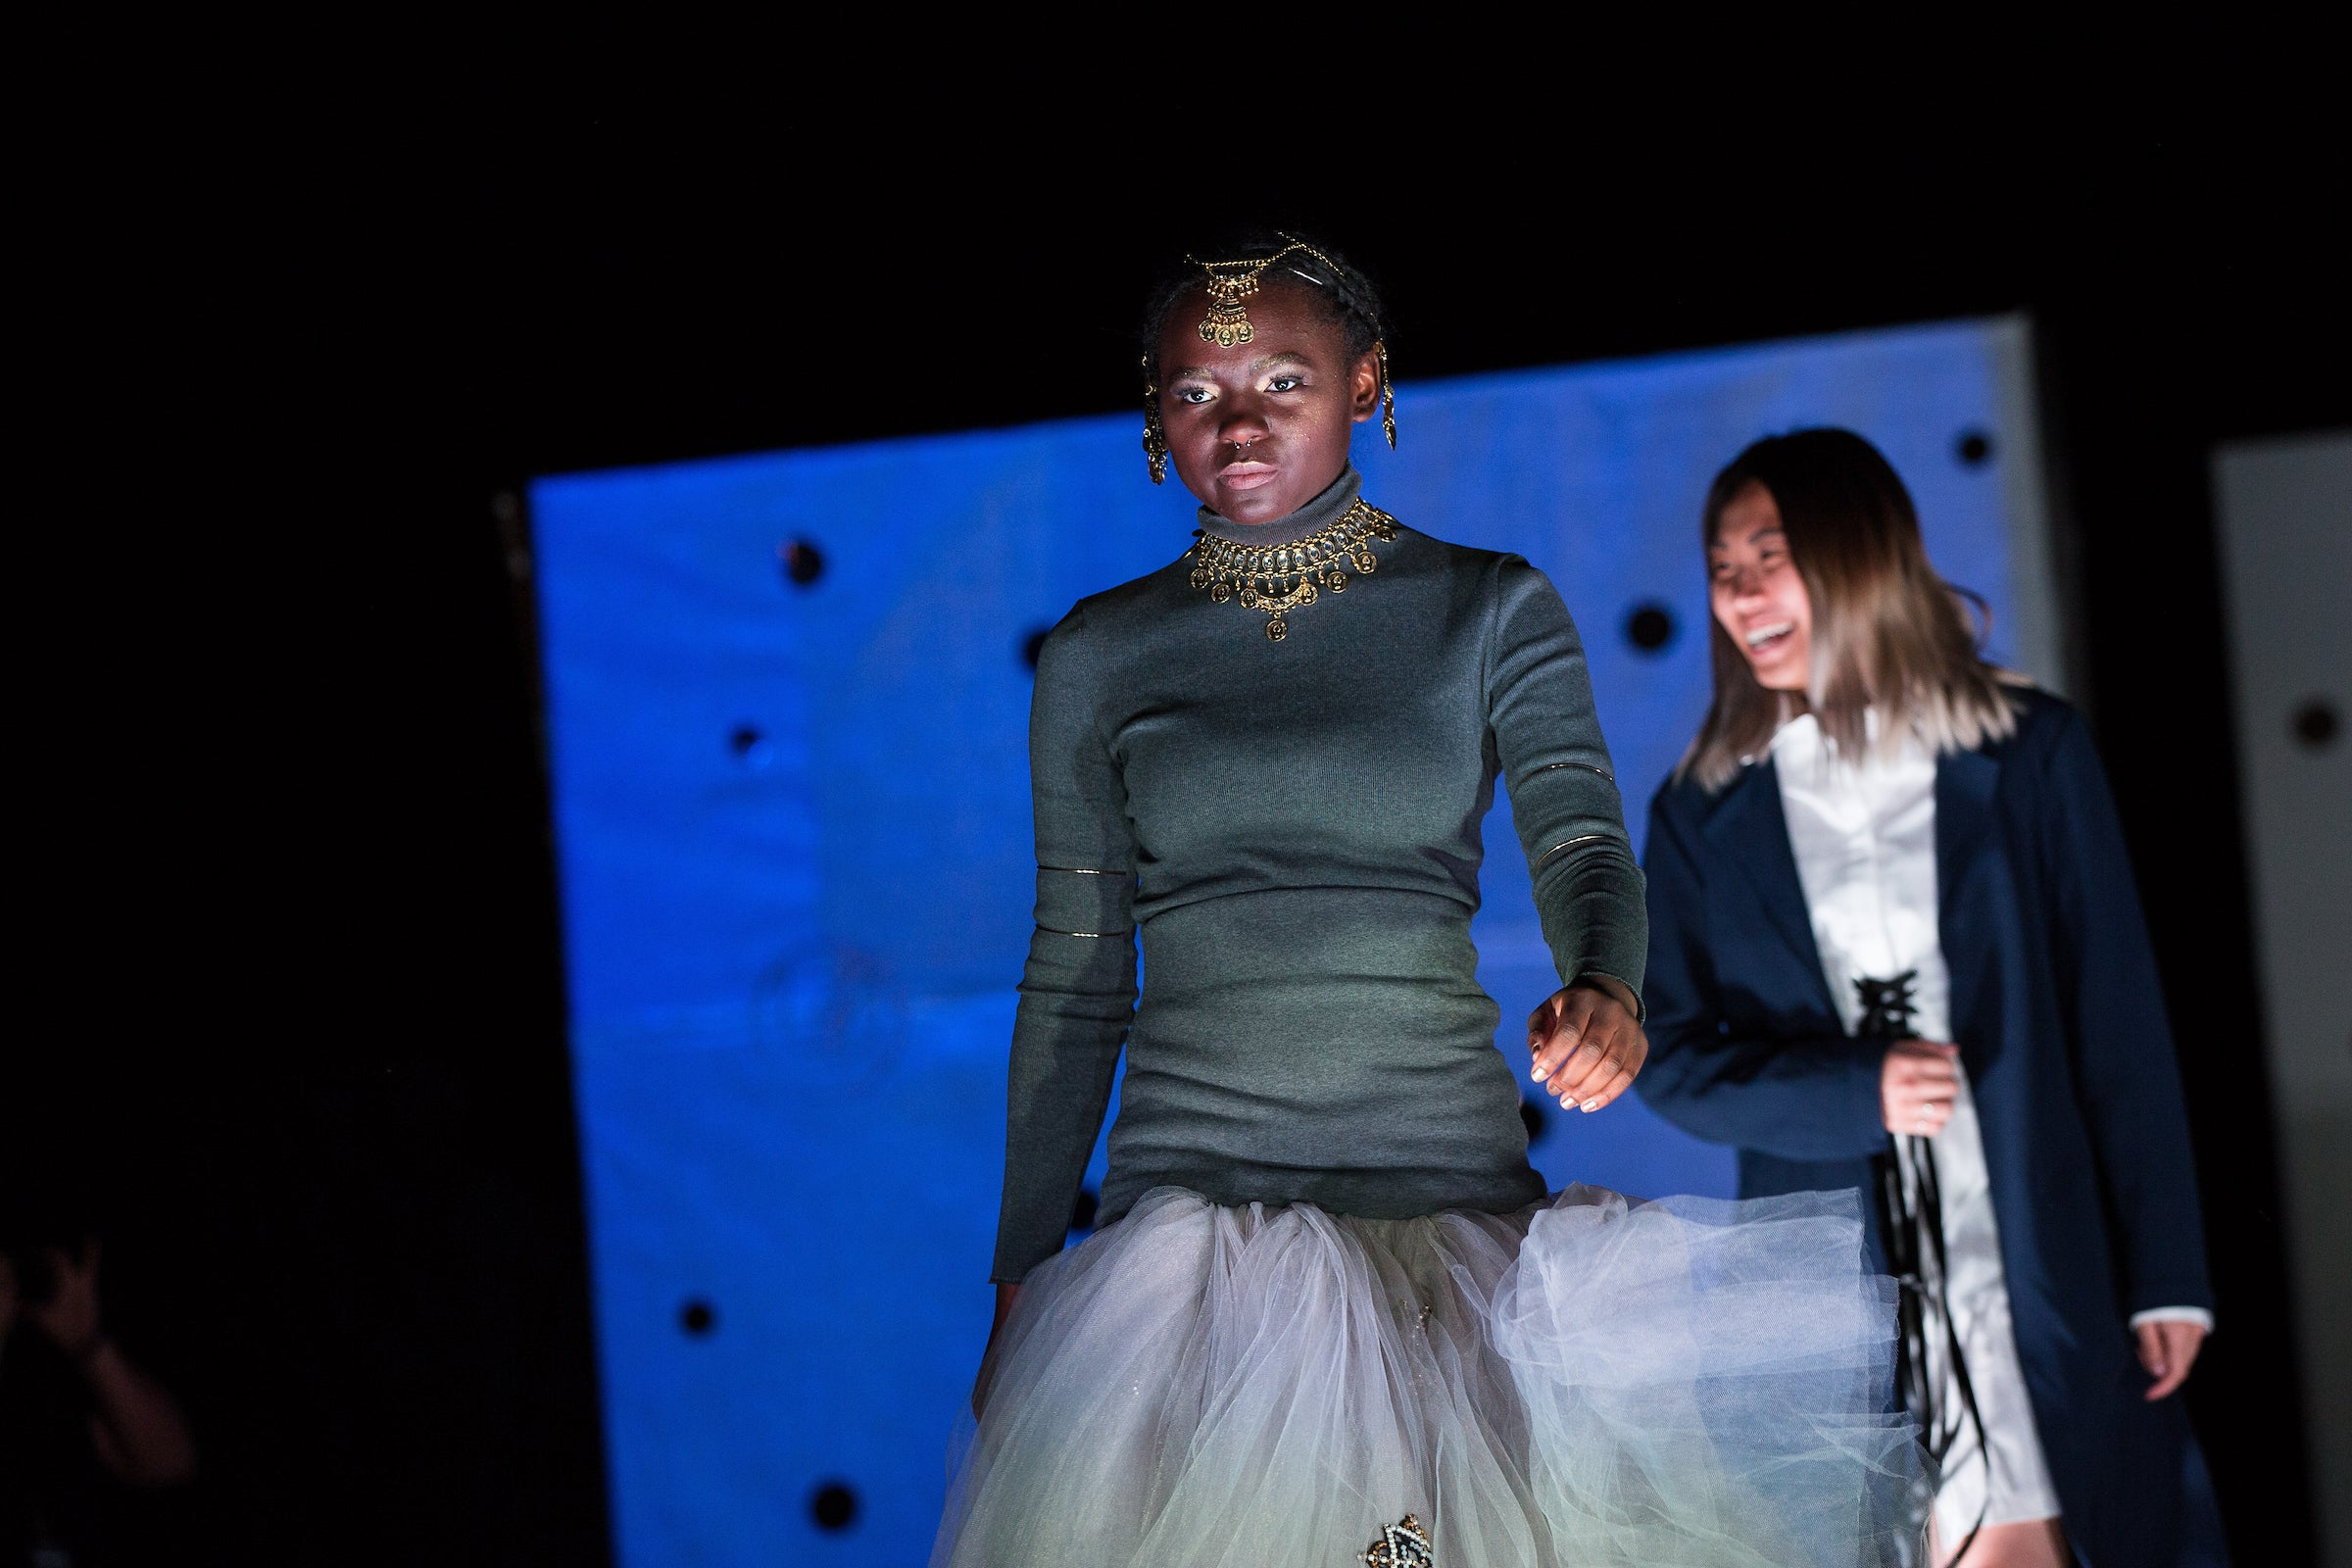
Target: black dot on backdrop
{"x":1650,"y":627}
{"x":697,"y":1318}
{"x":1081,"y":1212}
{"x":743,"y":740}
{"x":2316,"y":724}
{"x":1972,"y":448}
{"x":1533,"y":1114}
{"x":803,"y":561}
{"x":1033,"y":645}
{"x":833,"y":1506}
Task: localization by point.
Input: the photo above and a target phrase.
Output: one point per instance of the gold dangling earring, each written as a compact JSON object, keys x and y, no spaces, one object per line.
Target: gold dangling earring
{"x":1155,"y":438}
{"x":1387,"y":396}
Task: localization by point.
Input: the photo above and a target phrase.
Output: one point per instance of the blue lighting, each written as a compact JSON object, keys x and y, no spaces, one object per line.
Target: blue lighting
{"x":793,"y":823}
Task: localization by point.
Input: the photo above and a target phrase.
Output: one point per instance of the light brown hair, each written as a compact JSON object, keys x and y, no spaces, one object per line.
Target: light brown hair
{"x":1888,"y":632}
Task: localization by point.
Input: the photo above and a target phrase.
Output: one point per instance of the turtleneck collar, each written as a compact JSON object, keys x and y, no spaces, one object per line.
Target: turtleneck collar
{"x":1320,"y":512}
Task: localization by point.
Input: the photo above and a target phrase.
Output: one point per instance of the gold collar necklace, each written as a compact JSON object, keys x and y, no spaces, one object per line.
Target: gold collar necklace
{"x":1278,"y":578}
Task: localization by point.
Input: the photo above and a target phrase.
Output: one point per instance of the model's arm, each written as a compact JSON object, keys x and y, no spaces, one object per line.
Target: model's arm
{"x":1078,"y":989}
{"x":1585,"y":1041}
{"x":1562,"y":786}
{"x":2128,"y":1079}
{"x":1811,"y":1095}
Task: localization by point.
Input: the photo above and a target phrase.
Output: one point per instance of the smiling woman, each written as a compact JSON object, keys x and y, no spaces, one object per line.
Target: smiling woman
{"x":1823,"y":597}
{"x":1894,"y":948}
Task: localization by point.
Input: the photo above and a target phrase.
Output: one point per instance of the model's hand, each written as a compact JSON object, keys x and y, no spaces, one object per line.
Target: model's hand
{"x":1917,"y":1086}
{"x":1586,"y":1044}
{"x":2168,"y":1349}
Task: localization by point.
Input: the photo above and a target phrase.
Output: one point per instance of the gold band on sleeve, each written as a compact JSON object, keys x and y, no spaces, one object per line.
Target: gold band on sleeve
{"x":1581,"y":838}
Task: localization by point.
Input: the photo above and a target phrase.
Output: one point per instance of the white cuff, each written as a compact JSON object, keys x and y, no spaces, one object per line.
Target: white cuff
{"x":2174,"y":1314}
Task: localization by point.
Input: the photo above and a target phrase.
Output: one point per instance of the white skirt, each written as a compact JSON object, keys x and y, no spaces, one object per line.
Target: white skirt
{"x":1588,"y":1382}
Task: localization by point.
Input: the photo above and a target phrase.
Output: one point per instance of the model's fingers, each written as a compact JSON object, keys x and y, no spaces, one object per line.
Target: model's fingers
{"x":1579,"y":1066}
{"x":1573,"y":1036}
{"x":1570,"y":1079}
{"x":1550,"y":1036}
{"x":1617,"y":1085}
{"x":1593,"y":1070}
{"x":1554,"y":1052}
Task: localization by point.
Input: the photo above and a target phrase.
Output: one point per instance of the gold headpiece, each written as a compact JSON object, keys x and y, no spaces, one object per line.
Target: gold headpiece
{"x":1231,"y":282}
{"x":1227,"y":324}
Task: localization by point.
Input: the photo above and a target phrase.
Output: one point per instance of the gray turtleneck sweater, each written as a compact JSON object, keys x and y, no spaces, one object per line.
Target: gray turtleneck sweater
{"x":1293,"y":830}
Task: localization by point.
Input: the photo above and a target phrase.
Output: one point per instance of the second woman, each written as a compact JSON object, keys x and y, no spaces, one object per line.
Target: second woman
{"x":1895,"y":947}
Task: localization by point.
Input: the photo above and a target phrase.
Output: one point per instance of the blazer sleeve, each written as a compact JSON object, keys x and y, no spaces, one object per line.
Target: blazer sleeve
{"x":1563,"y":790}
{"x":2125,"y":1072}
{"x":1078,"y":989}
{"x":1799,"y":1095}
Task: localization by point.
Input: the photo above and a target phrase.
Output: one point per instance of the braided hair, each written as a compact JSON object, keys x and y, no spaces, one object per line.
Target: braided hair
{"x":1345,"y":295}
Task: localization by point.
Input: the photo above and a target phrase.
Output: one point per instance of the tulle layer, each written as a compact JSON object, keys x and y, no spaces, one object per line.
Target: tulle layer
{"x":1588,"y":1382}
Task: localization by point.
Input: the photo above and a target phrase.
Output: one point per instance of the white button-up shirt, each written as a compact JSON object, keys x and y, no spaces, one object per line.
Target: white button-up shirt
{"x":1864,"y":839}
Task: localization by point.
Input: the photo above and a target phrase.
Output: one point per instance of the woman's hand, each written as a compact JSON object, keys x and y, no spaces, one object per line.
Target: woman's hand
{"x":1917,"y":1086}
{"x":2168,"y":1349}
{"x":1586,"y":1044}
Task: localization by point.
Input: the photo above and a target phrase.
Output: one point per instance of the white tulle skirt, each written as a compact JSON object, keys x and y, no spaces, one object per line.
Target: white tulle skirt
{"x":1587,"y":1381}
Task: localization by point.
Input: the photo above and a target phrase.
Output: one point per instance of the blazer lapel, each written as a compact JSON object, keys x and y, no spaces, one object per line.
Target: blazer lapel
{"x":1965,"y":785}
{"x":1750,"y":831}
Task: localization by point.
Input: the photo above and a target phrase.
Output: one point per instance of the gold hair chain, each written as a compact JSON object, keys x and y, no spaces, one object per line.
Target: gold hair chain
{"x":1231,"y":282}
{"x":1278,"y":578}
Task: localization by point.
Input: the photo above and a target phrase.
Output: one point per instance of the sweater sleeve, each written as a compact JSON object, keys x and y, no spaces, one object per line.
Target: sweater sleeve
{"x":1563,"y":790}
{"x":1804,"y":1095}
{"x":1078,"y":989}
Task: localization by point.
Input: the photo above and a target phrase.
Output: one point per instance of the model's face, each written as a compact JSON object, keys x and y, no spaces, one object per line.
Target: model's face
{"x":1757,"y":595}
{"x":1259,"y":429}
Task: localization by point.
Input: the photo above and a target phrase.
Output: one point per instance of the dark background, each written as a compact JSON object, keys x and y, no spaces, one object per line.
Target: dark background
{"x":295,"y":912}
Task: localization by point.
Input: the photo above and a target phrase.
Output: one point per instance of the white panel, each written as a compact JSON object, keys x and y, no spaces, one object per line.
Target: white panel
{"x":2037,"y":632}
{"x":2287,"y":547}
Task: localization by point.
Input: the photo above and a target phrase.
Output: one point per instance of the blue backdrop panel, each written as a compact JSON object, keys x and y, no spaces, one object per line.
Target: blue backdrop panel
{"x":793,"y":824}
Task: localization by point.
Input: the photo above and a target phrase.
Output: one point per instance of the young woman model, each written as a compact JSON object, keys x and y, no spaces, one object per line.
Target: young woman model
{"x":1329,"y":1313}
{"x":1895,"y":946}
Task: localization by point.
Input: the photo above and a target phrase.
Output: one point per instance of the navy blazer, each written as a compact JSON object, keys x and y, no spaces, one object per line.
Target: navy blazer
{"x":2061,"y":1025}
